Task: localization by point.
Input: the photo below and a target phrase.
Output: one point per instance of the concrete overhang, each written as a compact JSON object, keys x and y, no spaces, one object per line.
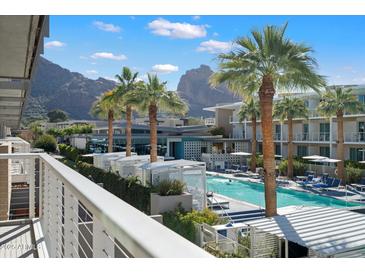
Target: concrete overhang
{"x":21,"y":43}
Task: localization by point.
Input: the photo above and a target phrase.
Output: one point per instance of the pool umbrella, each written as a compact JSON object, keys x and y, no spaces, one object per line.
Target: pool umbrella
{"x":326,"y":160}
{"x":242,"y":154}
{"x":313,"y":158}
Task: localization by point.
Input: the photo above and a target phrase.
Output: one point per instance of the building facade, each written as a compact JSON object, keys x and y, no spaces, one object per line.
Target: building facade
{"x":315,"y":135}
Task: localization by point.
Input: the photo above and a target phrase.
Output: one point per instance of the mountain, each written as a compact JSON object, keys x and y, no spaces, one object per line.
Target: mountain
{"x":56,"y":87}
{"x":194,"y":87}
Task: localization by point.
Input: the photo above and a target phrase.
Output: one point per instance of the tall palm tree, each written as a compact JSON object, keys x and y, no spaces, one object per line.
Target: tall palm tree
{"x":338,"y":101}
{"x":128,"y":82}
{"x":287,"y":109}
{"x":154,"y":97}
{"x":250,"y":109}
{"x":106,"y":107}
{"x":264,"y":63}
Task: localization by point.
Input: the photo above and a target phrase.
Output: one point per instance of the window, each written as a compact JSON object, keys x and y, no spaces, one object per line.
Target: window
{"x":357,"y":154}
{"x":324,"y":131}
{"x":362,"y":98}
{"x":324,"y":151}
{"x":302,"y":151}
{"x":305,"y":132}
{"x":277,"y":149}
{"x":259,"y":148}
{"x":361,"y":130}
{"x":277,"y":132}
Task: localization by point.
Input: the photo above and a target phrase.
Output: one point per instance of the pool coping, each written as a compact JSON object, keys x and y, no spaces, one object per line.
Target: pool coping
{"x":258,"y":181}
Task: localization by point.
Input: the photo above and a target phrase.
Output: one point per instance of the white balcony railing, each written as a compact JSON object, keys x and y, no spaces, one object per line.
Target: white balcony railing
{"x":355,"y":137}
{"x":209,"y":121}
{"x":81,"y":219}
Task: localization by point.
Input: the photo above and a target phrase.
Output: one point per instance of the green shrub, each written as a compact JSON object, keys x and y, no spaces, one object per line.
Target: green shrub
{"x":183,"y":222}
{"x":299,"y":168}
{"x":170,"y":187}
{"x":46,"y":142}
{"x":355,"y":164}
{"x":218,"y":131}
{"x":128,"y":189}
{"x":259,"y":161}
{"x":69,"y":152}
{"x":353,"y":175}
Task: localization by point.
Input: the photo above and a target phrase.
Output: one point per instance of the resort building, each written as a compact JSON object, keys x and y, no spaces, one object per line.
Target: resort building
{"x":316,"y":135}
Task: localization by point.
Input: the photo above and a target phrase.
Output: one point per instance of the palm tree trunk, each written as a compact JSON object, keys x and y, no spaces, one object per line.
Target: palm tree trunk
{"x":340,"y":148}
{"x":110,"y":130}
{"x":290,"y":147}
{"x":153,"y":132}
{"x":253,"y":145}
{"x":128,"y":131}
{"x":266,"y":94}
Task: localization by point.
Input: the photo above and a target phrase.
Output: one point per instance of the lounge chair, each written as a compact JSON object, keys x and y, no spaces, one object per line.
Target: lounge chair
{"x":214,"y":202}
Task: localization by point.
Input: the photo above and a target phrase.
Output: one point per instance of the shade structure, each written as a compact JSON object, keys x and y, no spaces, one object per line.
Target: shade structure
{"x":241,"y":153}
{"x":362,"y":162}
{"x":326,"y":232}
{"x":313,"y":157}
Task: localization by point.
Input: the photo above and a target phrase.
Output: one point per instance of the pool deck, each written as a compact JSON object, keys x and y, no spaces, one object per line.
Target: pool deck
{"x":337,"y":193}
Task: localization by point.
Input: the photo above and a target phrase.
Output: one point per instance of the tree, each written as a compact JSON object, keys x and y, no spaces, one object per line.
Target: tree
{"x":106,"y":107}
{"x":153,"y":97}
{"x":128,"y":82}
{"x":36,"y":129}
{"x":338,"y":101}
{"x":250,"y":109}
{"x":287,"y":109}
{"x":262,"y":64}
{"x":57,"y":115}
{"x":218,"y":131}
{"x":46,"y":142}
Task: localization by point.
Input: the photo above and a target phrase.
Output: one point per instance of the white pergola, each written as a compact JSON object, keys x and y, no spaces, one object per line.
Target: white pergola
{"x":325,"y":231}
{"x":192,"y":173}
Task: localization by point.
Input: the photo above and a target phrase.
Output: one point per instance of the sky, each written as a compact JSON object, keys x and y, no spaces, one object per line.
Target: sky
{"x":99,"y":46}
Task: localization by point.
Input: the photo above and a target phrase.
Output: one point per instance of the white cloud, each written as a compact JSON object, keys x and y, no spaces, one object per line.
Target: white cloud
{"x":54,"y":44}
{"x":110,"y":78}
{"x":164,"y":68}
{"x":108,"y":55}
{"x":106,"y":27}
{"x":214,"y":46}
{"x":215,"y":34}
{"x":83,"y":57}
{"x":92,"y":72}
{"x":164,"y":27}
{"x":196,"y":17}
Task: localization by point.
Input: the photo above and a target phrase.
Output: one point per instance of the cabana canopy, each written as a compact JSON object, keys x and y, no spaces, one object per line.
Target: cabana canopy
{"x":326,"y":232}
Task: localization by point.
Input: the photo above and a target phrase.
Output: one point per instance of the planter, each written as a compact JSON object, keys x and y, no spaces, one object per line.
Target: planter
{"x":161,"y":204}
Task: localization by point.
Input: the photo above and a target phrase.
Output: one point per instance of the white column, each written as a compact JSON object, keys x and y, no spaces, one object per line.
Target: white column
{"x":31,"y":173}
{"x":286,"y":248}
{"x":331,"y":136}
{"x":245,"y":125}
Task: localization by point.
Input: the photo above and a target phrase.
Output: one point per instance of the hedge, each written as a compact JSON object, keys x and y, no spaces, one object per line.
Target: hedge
{"x":46,"y":142}
{"x":127,"y":189}
{"x":73,"y":154}
{"x":299,"y":168}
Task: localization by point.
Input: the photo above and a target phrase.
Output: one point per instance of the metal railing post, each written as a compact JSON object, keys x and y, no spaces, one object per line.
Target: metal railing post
{"x":31,"y":174}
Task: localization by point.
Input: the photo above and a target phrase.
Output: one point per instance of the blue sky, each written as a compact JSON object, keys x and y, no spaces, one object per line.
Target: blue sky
{"x":99,"y":46}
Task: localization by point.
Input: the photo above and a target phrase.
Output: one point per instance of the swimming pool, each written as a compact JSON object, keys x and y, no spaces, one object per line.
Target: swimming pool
{"x":254,"y":193}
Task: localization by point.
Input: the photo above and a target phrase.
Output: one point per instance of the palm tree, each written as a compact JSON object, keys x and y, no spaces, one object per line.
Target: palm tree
{"x":264,"y":63}
{"x":154,"y":97}
{"x":287,"y":109}
{"x":128,"y":82}
{"x":250,"y":109}
{"x":106,"y":107}
{"x":337,"y":101}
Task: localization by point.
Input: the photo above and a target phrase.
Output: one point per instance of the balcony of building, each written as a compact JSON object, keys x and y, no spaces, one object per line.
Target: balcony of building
{"x":53,"y":211}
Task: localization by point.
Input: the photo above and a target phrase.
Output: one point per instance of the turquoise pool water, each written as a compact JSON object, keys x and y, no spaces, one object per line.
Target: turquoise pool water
{"x":254,"y":193}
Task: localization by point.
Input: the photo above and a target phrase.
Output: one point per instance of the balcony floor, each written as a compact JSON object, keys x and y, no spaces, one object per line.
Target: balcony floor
{"x":20,"y":239}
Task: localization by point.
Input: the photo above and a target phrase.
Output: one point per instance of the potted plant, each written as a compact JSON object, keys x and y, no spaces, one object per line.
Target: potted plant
{"x":167,"y":196}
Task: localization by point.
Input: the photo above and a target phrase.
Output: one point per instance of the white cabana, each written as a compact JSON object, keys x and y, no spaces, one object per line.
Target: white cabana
{"x":192,"y":173}
{"x":130,"y":166}
{"x":324,"y":231}
{"x":106,"y":160}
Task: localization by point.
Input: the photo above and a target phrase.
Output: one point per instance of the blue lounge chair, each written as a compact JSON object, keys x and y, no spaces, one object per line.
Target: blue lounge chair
{"x":244,"y":168}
